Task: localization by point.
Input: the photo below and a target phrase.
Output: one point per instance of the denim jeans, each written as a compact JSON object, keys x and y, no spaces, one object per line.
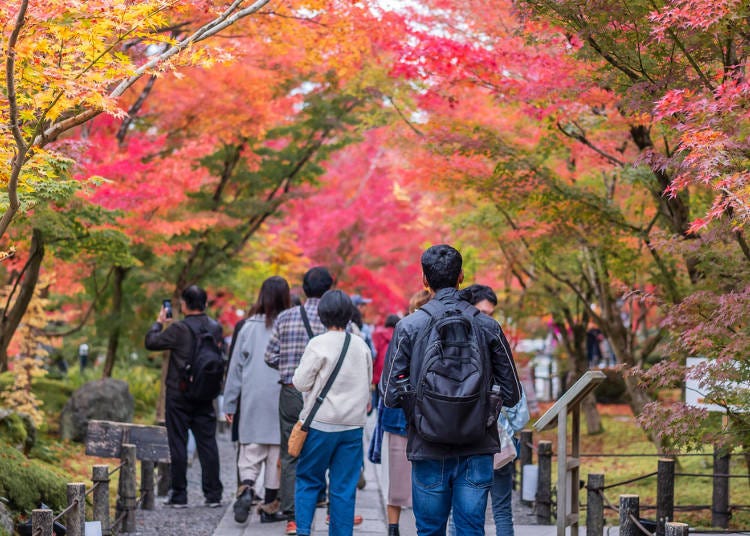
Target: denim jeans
{"x":339,"y":453}
{"x":461,"y":483}
{"x":502,"y":509}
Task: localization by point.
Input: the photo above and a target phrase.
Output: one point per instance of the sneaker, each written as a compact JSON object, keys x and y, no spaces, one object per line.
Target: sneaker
{"x":357,"y":519}
{"x":169,"y":503}
{"x":291,"y":528}
{"x":211,"y":503}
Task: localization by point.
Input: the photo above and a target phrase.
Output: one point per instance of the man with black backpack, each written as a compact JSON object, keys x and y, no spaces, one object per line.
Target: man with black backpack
{"x":193,"y":381}
{"x":450,"y":368}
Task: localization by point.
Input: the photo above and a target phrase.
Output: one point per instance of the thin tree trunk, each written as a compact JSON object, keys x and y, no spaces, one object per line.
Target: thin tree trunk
{"x":115,"y":321}
{"x":26,"y":284}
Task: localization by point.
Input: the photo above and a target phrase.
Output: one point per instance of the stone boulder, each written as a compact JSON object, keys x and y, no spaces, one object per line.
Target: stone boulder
{"x":17,"y":429}
{"x":104,"y":400}
{"x":6,"y":519}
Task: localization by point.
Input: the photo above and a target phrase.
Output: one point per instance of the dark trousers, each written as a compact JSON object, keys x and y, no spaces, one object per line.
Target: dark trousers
{"x":183,"y":415}
{"x":290,"y":406}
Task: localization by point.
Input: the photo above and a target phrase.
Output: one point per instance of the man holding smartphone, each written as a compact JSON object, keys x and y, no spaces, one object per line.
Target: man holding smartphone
{"x":183,"y":413}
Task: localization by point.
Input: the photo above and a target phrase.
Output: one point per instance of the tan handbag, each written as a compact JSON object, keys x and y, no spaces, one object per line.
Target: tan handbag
{"x":299,"y":432}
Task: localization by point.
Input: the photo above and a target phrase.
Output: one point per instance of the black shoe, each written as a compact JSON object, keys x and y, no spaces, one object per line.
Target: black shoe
{"x":393,"y":530}
{"x":265,"y":517}
{"x":242,"y":505}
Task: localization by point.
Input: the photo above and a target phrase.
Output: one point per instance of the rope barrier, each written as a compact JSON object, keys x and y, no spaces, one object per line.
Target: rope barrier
{"x":630,"y":481}
{"x":644,"y":530}
{"x":711,"y":475}
{"x":113,"y":471}
{"x":92,"y":488}
{"x":67,"y":509}
{"x":115,"y":525}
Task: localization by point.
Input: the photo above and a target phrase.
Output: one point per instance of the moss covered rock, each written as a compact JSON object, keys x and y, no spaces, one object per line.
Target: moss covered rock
{"x":25,"y":482}
{"x":17,"y":429}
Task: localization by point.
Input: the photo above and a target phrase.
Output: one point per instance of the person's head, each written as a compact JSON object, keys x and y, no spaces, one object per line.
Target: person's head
{"x":316,"y":282}
{"x":357,"y":316}
{"x":391,"y":321}
{"x":482,"y":297}
{"x":335,"y":309}
{"x":273,"y":298}
{"x":441,"y":267}
{"x":418,"y":299}
{"x":193,"y":299}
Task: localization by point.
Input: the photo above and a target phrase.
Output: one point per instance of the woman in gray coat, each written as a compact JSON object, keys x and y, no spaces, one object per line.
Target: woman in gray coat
{"x":254,"y":386}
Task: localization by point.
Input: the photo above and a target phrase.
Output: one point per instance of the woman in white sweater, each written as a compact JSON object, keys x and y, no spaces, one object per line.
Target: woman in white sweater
{"x":334,"y":442}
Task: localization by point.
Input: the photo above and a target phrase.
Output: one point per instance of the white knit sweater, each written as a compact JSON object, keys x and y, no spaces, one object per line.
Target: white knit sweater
{"x":346,"y":402}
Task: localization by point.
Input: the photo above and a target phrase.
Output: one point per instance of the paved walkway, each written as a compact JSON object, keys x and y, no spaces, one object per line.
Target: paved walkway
{"x":371,"y":506}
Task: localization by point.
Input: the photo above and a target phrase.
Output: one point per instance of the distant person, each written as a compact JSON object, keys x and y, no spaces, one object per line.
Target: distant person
{"x":183,"y":413}
{"x":452,"y":431}
{"x":381,"y":338}
{"x":291,"y":332}
{"x":254,"y":388}
{"x":334,"y":440}
{"x":594,"y":339}
{"x":83,"y":355}
{"x":360,"y":319}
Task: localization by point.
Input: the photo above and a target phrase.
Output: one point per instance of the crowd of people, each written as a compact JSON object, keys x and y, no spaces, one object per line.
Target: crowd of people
{"x":302,"y":380}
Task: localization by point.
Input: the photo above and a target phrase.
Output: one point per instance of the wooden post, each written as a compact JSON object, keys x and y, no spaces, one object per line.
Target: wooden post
{"x":42,"y":520}
{"x":720,"y":503}
{"x":525,"y":458}
{"x":595,"y":505}
{"x":147,"y":485}
{"x":676,"y":529}
{"x":75,"y":519}
{"x":629,"y":505}
{"x":100,"y":478}
{"x":544,"y":483}
{"x":163,"y":482}
{"x":126,"y":489}
{"x":664,"y":494}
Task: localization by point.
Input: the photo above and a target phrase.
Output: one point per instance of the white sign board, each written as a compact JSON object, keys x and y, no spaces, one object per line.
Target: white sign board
{"x":695,"y":395}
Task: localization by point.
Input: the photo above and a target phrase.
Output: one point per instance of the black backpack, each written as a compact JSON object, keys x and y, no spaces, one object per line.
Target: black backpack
{"x":452,"y":399}
{"x":204,"y":373}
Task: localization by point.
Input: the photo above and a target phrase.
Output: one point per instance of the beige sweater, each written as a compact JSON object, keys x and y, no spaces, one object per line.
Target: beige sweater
{"x":346,"y":402}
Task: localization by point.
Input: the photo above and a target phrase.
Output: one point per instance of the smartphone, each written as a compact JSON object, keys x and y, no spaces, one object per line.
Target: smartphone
{"x":168,"y":307}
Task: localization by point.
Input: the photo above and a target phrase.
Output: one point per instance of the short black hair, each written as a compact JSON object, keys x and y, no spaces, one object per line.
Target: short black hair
{"x":316,"y":282}
{"x":391,"y":321}
{"x":195,"y":298}
{"x":441,"y":265}
{"x":476,"y":293}
{"x":335,"y":309}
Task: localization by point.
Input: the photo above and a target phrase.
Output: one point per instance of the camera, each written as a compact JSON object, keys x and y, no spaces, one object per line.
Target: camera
{"x":168,"y":308}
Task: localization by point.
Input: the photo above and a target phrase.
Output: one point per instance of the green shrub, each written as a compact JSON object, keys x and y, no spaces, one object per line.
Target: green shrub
{"x":143,"y":383}
{"x":26,"y":483}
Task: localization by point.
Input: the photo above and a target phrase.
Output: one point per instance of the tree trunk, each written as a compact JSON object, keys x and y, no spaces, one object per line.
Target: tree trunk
{"x":115,"y":321}
{"x":26,"y":282}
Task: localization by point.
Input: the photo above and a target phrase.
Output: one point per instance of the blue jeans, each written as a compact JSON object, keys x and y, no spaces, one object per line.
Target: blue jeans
{"x":502,"y":510}
{"x":461,"y":483}
{"x":339,"y":453}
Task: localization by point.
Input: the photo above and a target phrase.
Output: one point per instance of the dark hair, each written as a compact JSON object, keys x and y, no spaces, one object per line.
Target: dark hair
{"x":273,"y":298}
{"x":391,"y":321}
{"x":295,"y":300}
{"x":356,"y":316}
{"x":335,"y":309}
{"x":441,"y":266}
{"x":476,"y":293}
{"x":316,"y":282}
{"x":195,"y":298}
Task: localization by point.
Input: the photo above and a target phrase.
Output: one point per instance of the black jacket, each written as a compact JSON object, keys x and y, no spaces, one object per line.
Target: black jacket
{"x":400,"y":361}
{"x":180,"y":341}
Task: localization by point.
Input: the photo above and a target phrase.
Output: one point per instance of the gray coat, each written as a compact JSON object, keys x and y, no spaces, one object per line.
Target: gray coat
{"x":258,"y":385}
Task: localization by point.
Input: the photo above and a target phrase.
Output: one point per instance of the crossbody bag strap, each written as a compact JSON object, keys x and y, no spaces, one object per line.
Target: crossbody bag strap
{"x":306,"y":321}
{"x":327,"y":387}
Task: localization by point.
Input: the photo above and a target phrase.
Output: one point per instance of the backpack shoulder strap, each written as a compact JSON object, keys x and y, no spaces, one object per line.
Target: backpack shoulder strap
{"x":306,"y":321}
{"x":433,"y":308}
